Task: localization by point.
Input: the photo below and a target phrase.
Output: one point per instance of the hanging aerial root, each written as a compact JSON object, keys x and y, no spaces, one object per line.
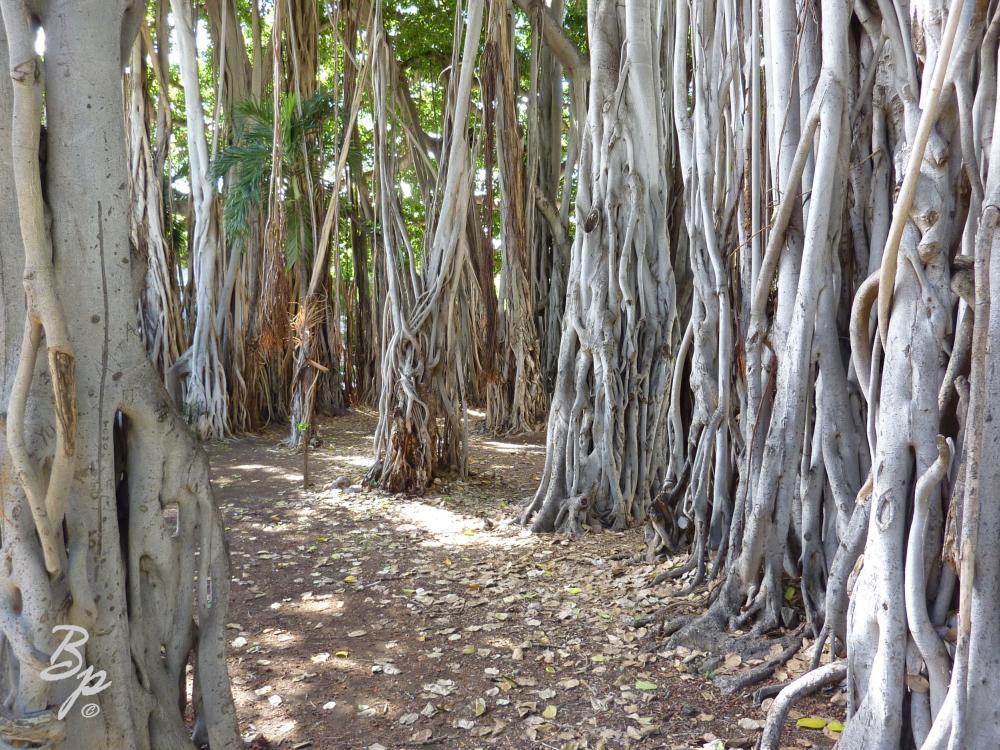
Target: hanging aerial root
{"x":911,"y":177}
{"x":860,"y":319}
{"x":803,"y":686}
{"x":851,"y":546}
{"x":929,"y":644}
{"x":44,"y":311}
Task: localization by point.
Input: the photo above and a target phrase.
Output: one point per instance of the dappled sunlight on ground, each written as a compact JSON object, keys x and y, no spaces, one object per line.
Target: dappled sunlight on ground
{"x":361,"y":619}
{"x":537,"y":450}
{"x":362,"y":462}
{"x":452,"y":529}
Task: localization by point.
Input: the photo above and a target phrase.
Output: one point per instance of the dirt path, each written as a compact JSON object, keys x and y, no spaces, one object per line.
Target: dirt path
{"x":360,"y":620}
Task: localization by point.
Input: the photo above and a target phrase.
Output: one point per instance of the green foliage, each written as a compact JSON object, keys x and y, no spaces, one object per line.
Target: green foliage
{"x":575,"y":24}
{"x":422,"y":35}
{"x":247,"y":161}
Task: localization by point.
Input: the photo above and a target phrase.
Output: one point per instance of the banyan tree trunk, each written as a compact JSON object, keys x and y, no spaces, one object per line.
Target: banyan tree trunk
{"x":198,"y":380}
{"x":422,"y":403}
{"x":551,"y":172}
{"x":109,"y":524}
{"x":798,"y":471}
{"x":515,"y":395}
{"x":606,"y":452}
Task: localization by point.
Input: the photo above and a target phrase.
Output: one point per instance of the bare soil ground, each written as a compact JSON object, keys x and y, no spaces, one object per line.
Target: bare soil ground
{"x":364,"y":620}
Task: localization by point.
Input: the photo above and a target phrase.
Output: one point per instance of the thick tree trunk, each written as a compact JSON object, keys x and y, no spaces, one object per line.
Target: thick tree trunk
{"x":515,"y":396}
{"x":550,"y":177}
{"x":197,"y":380}
{"x":422,"y":404}
{"x":606,"y":451}
{"x":124,"y":567}
{"x":798,"y":459}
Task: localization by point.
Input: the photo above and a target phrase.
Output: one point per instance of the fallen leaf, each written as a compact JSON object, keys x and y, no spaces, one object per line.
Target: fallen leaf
{"x":810,"y":722}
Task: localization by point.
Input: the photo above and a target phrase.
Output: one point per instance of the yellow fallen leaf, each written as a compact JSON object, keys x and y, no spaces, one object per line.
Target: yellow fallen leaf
{"x":810,"y":722}
{"x":835,"y":726}
{"x":342,"y":654}
{"x":550,"y":712}
{"x":351,"y":580}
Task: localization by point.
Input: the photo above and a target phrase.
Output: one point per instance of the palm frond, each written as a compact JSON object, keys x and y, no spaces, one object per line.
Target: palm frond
{"x":247,"y":162}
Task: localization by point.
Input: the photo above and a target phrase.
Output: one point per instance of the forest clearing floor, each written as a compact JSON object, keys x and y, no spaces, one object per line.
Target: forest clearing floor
{"x":360,"y":620}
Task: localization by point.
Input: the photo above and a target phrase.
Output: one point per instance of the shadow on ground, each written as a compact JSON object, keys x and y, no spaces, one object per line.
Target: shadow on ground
{"x":363,"y":620}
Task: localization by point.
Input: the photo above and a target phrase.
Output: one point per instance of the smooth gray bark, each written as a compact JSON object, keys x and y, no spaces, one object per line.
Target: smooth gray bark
{"x":139,"y":504}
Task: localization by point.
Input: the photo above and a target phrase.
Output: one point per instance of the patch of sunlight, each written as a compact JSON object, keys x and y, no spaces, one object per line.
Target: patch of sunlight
{"x":513,"y":447}
{"x":284,"y":728}
{"x":274,"y":638}
{"x":447,"y":528}
{"x":269,"y":530}
{"x":324,"y":603}
{"x":362,"y":461}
